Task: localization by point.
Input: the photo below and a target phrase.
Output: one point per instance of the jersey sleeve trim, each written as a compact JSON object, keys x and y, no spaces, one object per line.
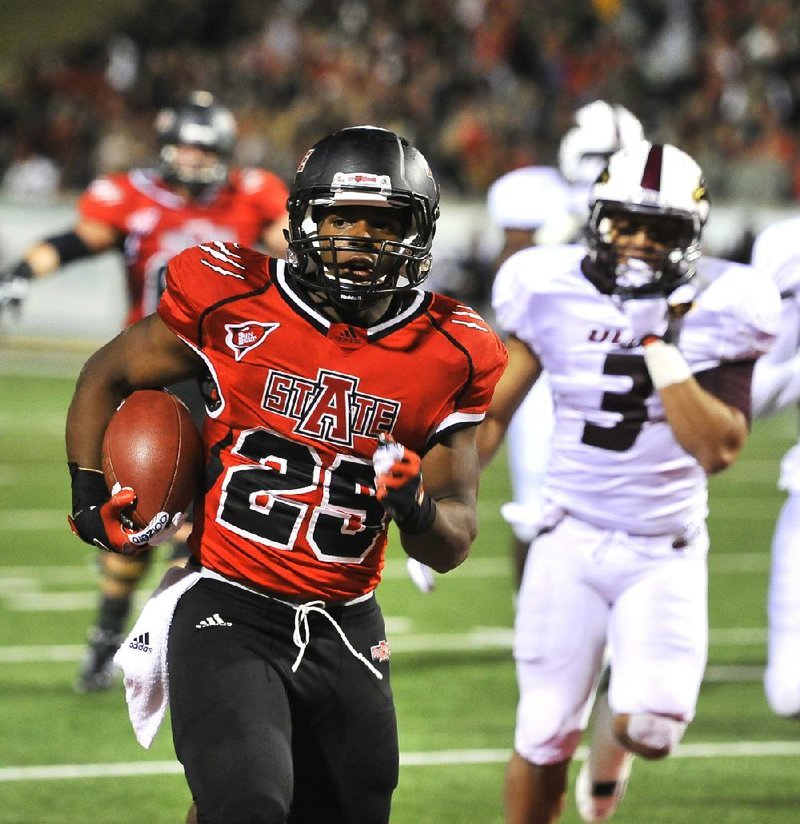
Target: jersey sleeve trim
{"x":212,"y":413}
{"x":224,"y":302}
{"x":453,"y":423}
{"x":458,"y":345}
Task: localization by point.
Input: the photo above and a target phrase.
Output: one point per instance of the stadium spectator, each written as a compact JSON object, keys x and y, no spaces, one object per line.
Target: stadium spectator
{"x":619,"y":560}
{"x":30,"y":175}
{"x":150,"y":215}
{"x":469,"y":80}
{"x":285,"y":701}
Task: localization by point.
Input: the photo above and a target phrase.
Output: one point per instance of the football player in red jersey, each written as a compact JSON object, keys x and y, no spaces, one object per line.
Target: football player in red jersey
{"x":152,"y":214}
{"x":277,"y":661}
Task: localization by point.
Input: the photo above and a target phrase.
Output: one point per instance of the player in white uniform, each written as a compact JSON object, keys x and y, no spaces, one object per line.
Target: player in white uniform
{"x":599,"y":129}
{"x":620,"y":556}
{"x":531,"y":205}
{"x":542,"y":205}
{"x":776,"y":385}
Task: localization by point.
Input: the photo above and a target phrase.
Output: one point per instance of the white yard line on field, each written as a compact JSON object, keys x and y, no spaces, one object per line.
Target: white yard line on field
{"x":481,"y":639}
{"x":443,"y":758}
{"x":475,"y":567}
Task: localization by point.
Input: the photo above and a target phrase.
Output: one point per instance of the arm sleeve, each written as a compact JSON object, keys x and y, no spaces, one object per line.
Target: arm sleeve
{"x":177,"y":308}
{"x":730,"y":382}
{"x":488,"y":368}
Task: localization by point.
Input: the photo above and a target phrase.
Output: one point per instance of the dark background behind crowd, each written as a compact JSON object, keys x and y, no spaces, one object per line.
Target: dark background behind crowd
{"x":482,"y":86}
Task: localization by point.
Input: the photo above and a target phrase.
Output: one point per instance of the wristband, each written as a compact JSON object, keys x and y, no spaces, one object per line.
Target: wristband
{"x":88,"y":487}
{"x":665,"y":363}
{"x":69,"y":246}
{"x":419,"y":518}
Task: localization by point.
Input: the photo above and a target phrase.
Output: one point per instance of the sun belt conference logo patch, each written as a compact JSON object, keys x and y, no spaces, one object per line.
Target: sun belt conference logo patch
{"x":244,"y":337}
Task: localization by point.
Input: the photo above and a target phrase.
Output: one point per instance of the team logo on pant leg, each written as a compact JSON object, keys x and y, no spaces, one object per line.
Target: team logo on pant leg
{"x":380,"y":652}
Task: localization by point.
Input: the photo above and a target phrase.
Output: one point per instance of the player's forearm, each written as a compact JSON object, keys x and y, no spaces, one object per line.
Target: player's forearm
{"x":87,"y":238}
{"x":708,"y":429}
{"x":447,"y":543}
{"x":97,"y":395}
{"x":43,"y":258}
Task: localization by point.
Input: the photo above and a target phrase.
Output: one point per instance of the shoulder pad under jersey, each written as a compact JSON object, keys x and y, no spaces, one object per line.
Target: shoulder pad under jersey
{"x":736,"y":314}
{"x":530,"y":272}
{"x":205,"y":274}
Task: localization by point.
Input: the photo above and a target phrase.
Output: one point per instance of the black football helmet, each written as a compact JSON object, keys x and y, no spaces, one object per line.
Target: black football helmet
{"x":365,"y":166}
{"x":202,"y":122}
{"x":662,"y":187}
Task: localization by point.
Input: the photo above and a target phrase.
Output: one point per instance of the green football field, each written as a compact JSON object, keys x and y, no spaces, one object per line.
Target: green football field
{"x":67,"y":758}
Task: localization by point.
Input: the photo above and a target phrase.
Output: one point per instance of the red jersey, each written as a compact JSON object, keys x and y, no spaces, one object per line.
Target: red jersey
{"x":157,"y":223}
{"x":298,"y":404}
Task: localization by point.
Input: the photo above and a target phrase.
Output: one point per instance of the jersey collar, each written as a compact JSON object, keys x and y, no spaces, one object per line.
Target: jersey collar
{"x":303,"y":307}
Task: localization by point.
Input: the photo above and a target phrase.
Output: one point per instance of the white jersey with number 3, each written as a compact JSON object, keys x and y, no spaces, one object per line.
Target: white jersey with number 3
{"x":614,"y":459}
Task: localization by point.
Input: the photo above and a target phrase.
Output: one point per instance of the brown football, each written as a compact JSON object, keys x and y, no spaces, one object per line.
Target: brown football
{"x":152,"y":445}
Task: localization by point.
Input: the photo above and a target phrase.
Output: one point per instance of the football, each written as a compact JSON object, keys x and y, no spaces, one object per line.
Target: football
{"x":152,"y":445}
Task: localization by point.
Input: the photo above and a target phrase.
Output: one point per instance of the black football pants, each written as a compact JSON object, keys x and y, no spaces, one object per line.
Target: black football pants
{"x":264,"y":745}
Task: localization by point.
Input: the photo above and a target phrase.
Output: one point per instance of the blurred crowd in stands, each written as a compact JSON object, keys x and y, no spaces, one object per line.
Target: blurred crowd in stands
{"x":483,"y":86}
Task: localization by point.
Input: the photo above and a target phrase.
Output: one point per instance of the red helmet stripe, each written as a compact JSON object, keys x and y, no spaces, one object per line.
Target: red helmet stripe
{"x":651,"y":177}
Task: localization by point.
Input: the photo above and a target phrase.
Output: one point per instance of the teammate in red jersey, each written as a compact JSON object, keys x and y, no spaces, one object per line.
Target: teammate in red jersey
{"x":152,"y":214}
{"x":334,"y":384}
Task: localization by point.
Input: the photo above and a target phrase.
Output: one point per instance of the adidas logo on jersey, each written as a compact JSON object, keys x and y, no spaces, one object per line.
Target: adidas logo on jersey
{"x":141,"y":642}
{"x":213,"y":621}
{"x":347,"y":336}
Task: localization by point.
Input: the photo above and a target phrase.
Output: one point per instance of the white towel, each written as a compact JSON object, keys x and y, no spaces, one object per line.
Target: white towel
{"x":143,"y":655}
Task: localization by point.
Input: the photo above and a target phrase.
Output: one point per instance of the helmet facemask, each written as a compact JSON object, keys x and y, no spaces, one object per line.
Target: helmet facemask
{"x":658,"y":266}
{"x":392,"y":265}
{"x":203,"y":124}
{"x":196,"y":178}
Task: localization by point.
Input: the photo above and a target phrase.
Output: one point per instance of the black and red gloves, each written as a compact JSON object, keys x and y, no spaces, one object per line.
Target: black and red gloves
{"x":398,"y":482}
{"x":102,"y":520}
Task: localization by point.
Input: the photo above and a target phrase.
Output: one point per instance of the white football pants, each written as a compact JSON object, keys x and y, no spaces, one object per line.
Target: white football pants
{"x":584,"y":587}
{"x":782,"y":676}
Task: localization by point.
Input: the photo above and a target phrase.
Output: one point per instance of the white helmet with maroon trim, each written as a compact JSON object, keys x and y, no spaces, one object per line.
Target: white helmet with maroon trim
{"x":658,"y":184}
